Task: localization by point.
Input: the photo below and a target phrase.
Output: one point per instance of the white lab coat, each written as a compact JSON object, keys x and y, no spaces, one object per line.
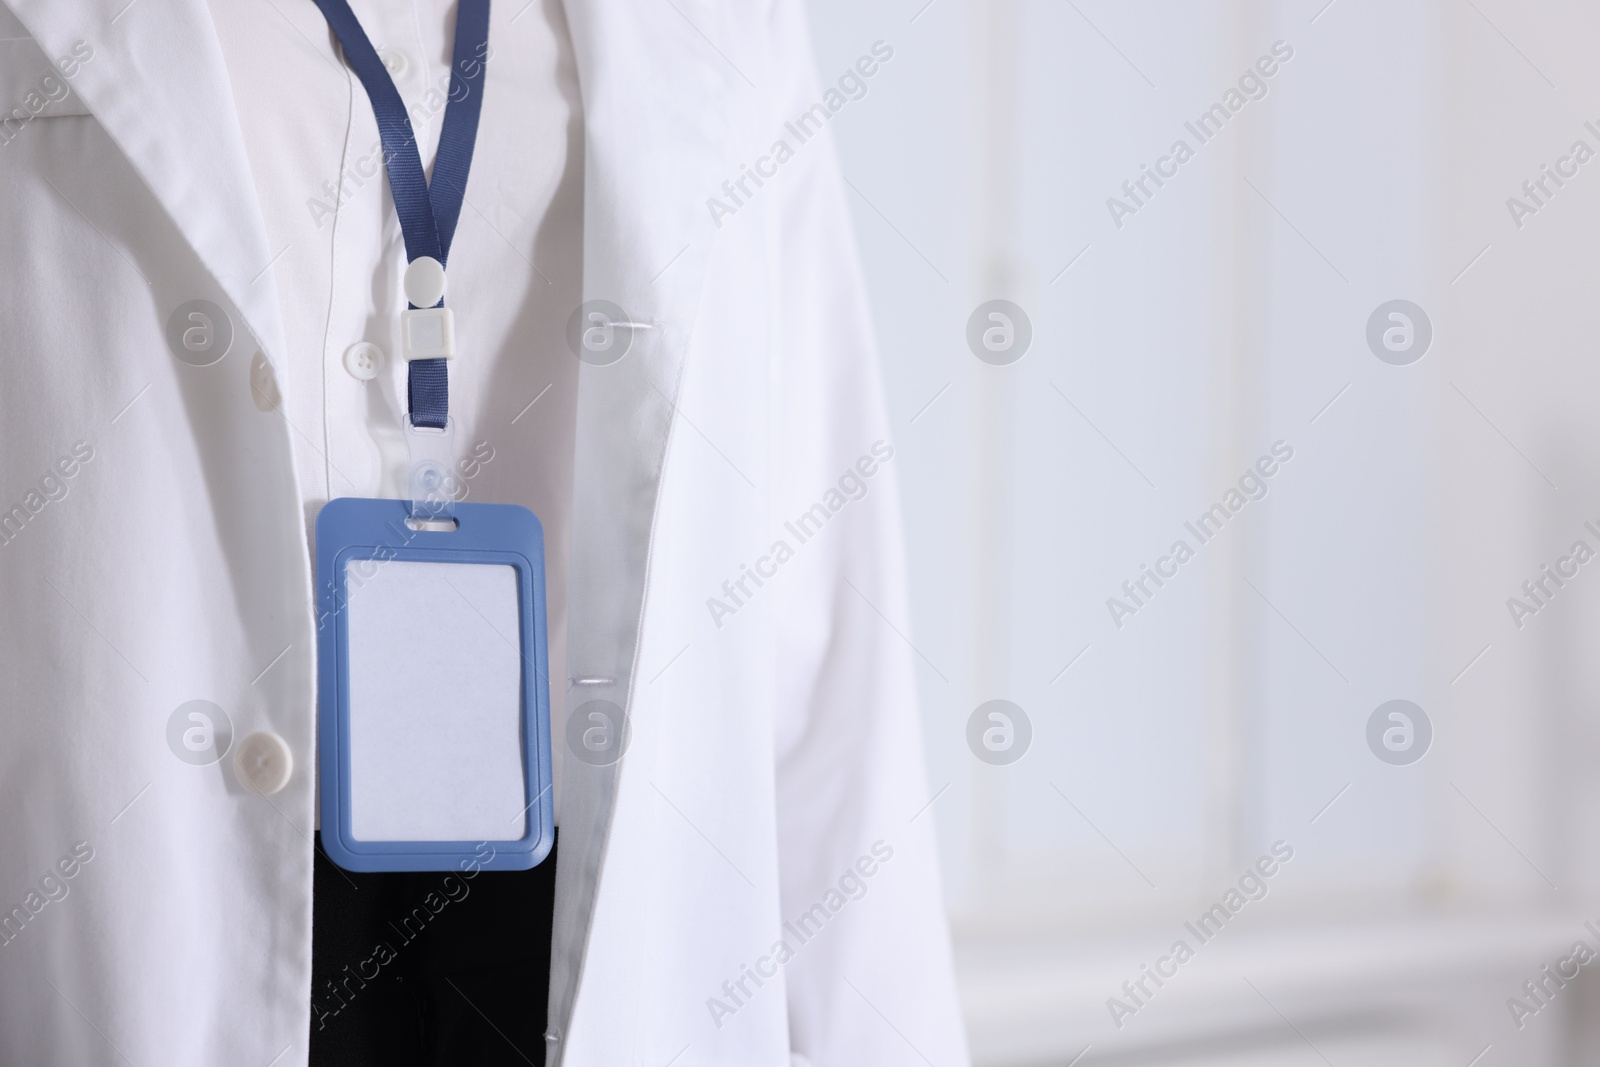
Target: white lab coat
{"x":155,"y":555}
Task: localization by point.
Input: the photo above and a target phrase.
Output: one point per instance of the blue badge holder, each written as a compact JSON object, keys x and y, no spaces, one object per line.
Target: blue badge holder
{"x":370,"y":534}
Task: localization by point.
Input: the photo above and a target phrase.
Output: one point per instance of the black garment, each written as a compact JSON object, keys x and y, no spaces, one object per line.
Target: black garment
{"x":430,"y":969}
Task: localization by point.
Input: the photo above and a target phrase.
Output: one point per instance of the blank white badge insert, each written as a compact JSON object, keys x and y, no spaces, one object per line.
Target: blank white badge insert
{"x":435,"y":676}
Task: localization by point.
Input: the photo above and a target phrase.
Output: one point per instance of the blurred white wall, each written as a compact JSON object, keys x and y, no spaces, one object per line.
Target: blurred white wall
{"x":1227,"y":313}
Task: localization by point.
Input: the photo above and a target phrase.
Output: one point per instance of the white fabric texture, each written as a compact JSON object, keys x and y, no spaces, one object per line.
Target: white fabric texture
{"x":768,"y":792}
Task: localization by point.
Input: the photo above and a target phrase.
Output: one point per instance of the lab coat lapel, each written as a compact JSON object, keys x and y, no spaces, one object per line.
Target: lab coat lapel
{"x":654,"y":116}
{"x":158,"y":85}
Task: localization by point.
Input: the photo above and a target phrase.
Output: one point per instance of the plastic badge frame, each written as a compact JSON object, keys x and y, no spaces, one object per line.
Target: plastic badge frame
{"x":353,"y":529}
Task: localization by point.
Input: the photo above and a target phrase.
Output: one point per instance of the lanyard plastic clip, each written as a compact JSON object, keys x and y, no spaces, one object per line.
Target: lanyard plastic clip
{"x":433,"y":485}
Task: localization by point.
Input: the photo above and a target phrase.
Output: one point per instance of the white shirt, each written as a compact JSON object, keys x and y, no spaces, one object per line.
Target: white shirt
{"x":767,"y":756}
{"x":514,"y":268}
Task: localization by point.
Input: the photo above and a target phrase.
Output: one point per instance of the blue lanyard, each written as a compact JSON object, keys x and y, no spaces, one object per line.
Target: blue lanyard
{"x":428,"y":212}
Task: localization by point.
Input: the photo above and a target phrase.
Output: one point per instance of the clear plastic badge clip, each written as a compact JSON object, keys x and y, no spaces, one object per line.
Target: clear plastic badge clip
{"x":432,"y":482}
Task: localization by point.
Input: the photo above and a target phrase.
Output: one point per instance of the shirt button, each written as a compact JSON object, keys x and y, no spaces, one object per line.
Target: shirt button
{"x":363,"y":360}
{"x":393,"y":62}
{"x":264,"y":384}
{"x":263,"y":762}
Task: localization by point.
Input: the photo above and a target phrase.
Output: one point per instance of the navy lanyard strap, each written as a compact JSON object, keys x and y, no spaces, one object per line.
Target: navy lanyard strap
{"x":428,"y":212}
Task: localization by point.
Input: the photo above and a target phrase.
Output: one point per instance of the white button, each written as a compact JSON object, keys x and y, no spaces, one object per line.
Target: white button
{"x":424,"y":282}
{"x":263,"y":762}
{"x":393,"y":62}
{"x":363,"y":360}
{"x":264,"y":384}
